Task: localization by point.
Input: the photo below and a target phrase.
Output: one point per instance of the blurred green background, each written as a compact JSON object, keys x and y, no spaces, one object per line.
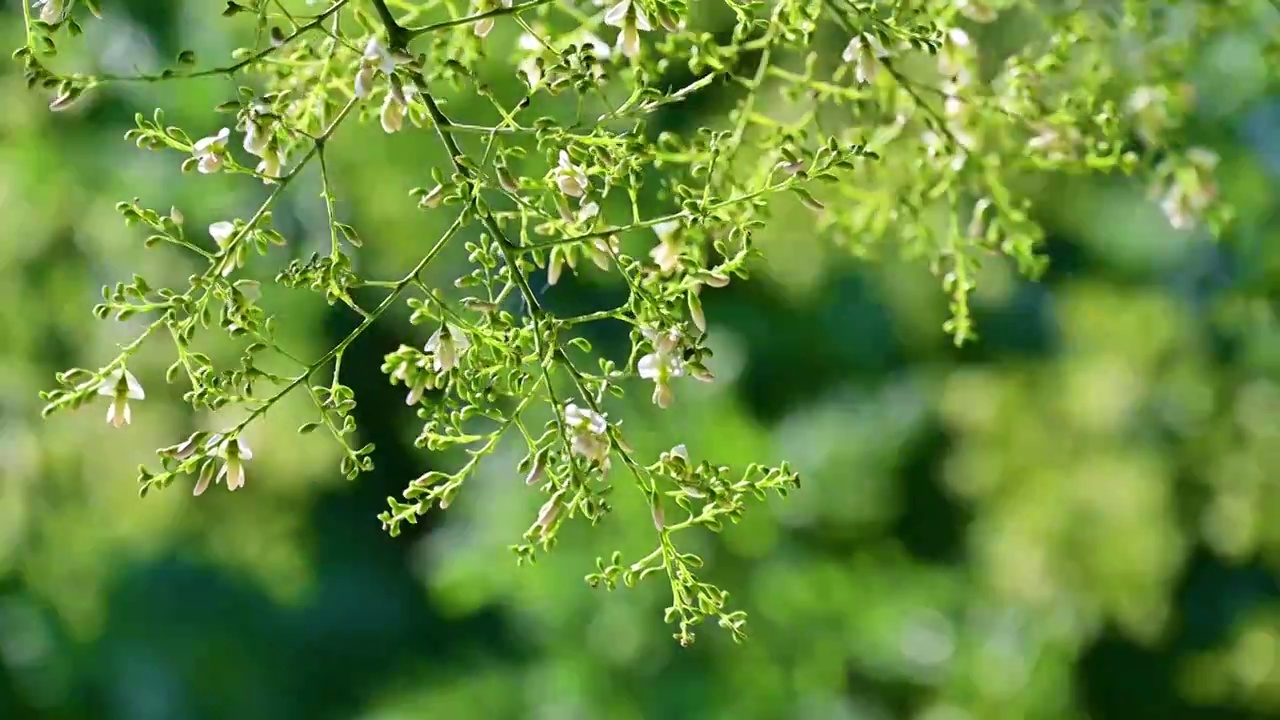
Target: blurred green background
{"x":1078,"y":516}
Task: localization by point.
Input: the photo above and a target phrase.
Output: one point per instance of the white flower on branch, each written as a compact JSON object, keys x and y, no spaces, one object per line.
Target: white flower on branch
{"x":667,"y":252}
{"x":484,"y":26}
{"x":222,"y":233}
{"x":211,"y":151}
{"x":664,"y":363}
{"x":121,"y":386}
{"x":257,"y":137}
{"x":588,"y":434}
{"x":392,"y":115}
{"x":234,"y":452}
{"x":531,"y":69}
{"x":271,"y":165}
{"x":570,"y":178}
{"x":865,"y":52}
{"x":446,"y":346}
{"x":50,"y":10}
{"x":630,"y":19}
{"x":375,"y":58}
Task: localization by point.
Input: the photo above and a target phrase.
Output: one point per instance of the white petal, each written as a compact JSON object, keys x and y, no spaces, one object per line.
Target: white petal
{"x":642,"y":20}
{"x":460,"y":338}
{"x":134,"y":387}
{"x":209,"y":164}
{"x":110,"y":382}
{"x":649,"y":366}
{"x":364,"y":82}
{"x":617,"y":14}
{"x":222,"y":231}
{"x":202,"y":484}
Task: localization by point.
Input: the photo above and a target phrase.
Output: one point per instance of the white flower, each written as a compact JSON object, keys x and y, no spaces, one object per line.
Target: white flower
{"x":256,"y":138}
{"x":664,"y":363}
{"x":211,"y":151}
{"x":588,"y":211}
{"x":570,"y":178}
{"x":976,"y":10}
{"x":589,"y":432}
{"x":376,"y":55}
{"x":598,"y":46}
{"x":222,"y":233}
{"x":446,"y":345}
{"x":630,"y":20}
{"x":603,"y":250}
{"x":270,"y":167}
{"x":483,"y":26}
{"x":393,"y":112}
{"x":364,"y":81}
{"x":864,"y":53}
{"x":50,"y":10}
{"x":234,"y":452}
{"x":529,"y":42}
{"x":375,"y":58}
{"x":667,"y":252}
{"x":531,"y":69}
{"x":417,"y":389}
{"x":121,"y":386}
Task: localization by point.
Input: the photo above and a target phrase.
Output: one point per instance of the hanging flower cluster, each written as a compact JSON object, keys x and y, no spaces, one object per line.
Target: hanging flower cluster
{"x":860,"y":122}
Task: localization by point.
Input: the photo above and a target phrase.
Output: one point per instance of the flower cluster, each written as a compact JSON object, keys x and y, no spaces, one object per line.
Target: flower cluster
{"x":861,"y":123}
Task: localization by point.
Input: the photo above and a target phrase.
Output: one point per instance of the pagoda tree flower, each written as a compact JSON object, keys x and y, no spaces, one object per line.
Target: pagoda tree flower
{"x":570,"y":178}
{"x":375,"y":58}
{"x":211,"y":152}
{"x":121,"y":386}
{"x":394,"y":108}
{"x":667,"y":252}
{"x":257,"y":135}
{"x":531,"y":70}
{"x":484,"y":26}
{"x":271,"y":166}
{"x":865,"y":53}
{"x":588,"y":434}
{"x":446,"y":346}
{"x":50,"y":10}
{"x":223,"y":233}
{"x":630,"y":19}
{"x":664,"y":363}
{"x":233,"y":451}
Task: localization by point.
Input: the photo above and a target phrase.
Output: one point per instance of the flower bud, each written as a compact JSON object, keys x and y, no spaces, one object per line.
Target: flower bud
{"x":548,"y":513}
{"x":695,"y":311}
{"x":714,"y":279}
{"x":433,"y":198}
{"x":536,"y":472}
